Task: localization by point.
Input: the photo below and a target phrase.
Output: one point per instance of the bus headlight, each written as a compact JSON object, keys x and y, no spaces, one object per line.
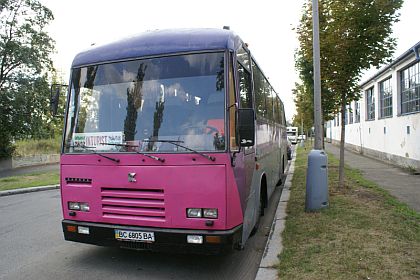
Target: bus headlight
{"x":79,"y":206}
{"x":84,"y":207}
{"x":194,"y":213}
{"x":74,"y":206}
{"x":210,"y":213}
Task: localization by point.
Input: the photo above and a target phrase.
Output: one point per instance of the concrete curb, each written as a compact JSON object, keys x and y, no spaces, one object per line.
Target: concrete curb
{"x":274,"y":244}
{"x":28,"y":190}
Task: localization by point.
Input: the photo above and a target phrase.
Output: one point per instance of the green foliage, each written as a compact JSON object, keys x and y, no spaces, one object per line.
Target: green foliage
{"x":354,"y":35}
{"x":38,"y":147}
{"x":304,"y":64}
{"x":24,"y":62}
{"x":304,"y":107}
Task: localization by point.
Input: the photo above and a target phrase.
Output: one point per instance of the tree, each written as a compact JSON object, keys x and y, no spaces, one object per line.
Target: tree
{"x":304,"y":63}
{"x":354,"y":36}
{"x":304,"y":107}
{"x":24,"y":61}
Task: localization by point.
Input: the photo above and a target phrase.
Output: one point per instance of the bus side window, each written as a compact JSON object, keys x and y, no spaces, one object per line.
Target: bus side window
{"x":260,"y":106}
{"x":245,"y":87}
{"x":269,"y":100}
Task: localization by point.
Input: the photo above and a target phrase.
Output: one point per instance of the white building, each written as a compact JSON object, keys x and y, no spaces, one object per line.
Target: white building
{"x":385,"y":122}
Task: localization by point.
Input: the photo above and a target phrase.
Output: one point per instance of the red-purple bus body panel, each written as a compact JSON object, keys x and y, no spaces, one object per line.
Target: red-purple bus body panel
{"x":160,"y":195}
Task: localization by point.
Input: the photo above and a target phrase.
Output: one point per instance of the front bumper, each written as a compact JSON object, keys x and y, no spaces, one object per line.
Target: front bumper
{"x":165,"y":239}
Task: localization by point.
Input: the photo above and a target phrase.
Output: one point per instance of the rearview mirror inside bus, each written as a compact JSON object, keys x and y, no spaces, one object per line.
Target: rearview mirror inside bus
{"x":246,"y":127}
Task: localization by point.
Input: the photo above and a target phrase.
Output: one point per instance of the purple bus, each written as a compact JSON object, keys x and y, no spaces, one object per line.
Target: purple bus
{"x":172,"y":139}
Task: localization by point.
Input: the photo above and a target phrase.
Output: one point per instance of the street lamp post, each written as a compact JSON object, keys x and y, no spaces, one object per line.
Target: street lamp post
{"x":317,"y":172}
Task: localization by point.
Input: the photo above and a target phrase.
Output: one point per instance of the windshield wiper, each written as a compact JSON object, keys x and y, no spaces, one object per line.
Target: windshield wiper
{"x":135,"y":146}
{"x":176,"y":143}
{"x":86,"y":148}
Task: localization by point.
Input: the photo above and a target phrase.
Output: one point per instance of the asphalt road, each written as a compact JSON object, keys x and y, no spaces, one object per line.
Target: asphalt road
{"x":32,"y":247}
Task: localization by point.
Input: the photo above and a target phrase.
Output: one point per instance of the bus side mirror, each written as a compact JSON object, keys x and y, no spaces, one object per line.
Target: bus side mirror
{"x":55,"y":97}
{"x":246,"y":127}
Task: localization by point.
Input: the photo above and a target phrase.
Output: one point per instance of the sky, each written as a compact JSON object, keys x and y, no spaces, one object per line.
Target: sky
{"x":266,"y":25}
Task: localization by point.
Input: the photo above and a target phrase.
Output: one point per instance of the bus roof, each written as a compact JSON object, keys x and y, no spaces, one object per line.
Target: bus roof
{"x":159,"y":42}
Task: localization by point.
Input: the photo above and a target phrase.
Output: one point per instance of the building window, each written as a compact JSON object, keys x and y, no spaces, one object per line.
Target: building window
{"x":410,"y":89}
{"x":350,"y":114}
{"x":357,"y":112}
{"x":370,"y":104}
{"x":346,"y":117}
{"x":385,"y":96}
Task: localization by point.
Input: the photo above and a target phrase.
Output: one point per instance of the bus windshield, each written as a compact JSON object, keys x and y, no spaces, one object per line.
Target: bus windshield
{"x":129,"y":106}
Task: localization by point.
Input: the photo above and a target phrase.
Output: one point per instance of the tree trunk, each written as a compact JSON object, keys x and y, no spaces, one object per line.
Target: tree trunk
{"x":343,"y":137}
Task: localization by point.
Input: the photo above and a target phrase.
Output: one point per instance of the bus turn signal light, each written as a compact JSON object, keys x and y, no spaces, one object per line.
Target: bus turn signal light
{"x":71,"y":228}
{"x":213,"y":239}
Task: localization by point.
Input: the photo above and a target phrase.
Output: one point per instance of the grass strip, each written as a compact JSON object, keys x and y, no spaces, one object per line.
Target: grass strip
{"x":364,"y":234}
{"x":29,"y":180}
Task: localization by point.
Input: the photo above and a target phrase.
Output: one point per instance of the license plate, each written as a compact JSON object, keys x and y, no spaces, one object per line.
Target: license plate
{"x":139,"y":236}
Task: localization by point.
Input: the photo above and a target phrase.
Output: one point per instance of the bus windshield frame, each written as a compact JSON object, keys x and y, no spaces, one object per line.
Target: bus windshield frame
{"x":131,"y":106}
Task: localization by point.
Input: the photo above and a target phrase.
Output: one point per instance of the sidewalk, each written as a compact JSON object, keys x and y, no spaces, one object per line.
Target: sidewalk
{"x":404,"y":186}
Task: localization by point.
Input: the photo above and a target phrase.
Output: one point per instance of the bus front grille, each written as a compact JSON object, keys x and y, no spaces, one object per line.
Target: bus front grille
{"x":133,"y":204}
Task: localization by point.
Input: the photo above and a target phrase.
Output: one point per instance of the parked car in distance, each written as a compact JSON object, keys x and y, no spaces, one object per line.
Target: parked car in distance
{"x":292,"y":134}
{"x":301,"y":137}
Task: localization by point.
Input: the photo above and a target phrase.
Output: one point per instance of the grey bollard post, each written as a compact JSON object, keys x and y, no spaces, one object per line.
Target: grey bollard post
{"x":317,"y":181}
